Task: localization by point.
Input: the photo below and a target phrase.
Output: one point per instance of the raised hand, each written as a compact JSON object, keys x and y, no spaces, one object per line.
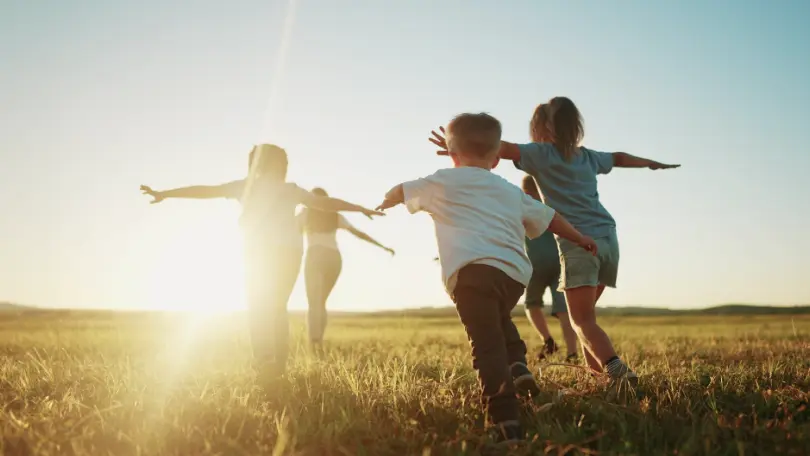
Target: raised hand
{"x":439,"y":140}
{"x":156,"y":196}
{"x":657,"y":166}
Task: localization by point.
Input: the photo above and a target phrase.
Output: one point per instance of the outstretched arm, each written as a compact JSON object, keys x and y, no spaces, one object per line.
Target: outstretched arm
{"x":227,"y":190}
{"x":329,"y":204}
{"x":394,"y":197}
{"x":625,"y":160}
{"x":365,"y":237}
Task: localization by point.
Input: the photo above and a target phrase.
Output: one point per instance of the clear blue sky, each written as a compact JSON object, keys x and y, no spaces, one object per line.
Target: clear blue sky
{"x":98,"y":97}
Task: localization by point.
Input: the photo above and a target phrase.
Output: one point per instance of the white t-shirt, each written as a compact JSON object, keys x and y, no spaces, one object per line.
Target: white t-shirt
{"x":480,"y":218}
{"x":326,"y":239}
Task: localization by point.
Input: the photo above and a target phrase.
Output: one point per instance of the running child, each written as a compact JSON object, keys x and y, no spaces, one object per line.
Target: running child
{"x":545,"y":258}
{"x":566,"y":175}
{"x":273,"y":245}
{"x":481,"y":221}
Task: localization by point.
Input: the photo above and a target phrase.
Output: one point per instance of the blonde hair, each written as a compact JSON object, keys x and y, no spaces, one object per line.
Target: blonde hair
{"x":475,"y":135}
{"x":560,"y":123}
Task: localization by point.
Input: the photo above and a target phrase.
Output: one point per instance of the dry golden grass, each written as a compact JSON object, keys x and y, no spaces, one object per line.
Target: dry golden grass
{"x":119,"y":384}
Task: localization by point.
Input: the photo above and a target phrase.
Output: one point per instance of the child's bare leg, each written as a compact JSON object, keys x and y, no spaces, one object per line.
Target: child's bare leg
{"x":569,"y":335}
{"x":599,"y":290}
{"x":535,"y":315}
{"x":581,"y":307}
{"x":594,"y":363}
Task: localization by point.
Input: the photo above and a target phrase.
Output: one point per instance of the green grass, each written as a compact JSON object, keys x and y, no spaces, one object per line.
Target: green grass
{"x":151,"y":384}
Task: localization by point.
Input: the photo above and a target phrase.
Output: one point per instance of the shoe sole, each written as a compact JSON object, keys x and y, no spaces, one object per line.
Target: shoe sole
{"x":526,"y":385}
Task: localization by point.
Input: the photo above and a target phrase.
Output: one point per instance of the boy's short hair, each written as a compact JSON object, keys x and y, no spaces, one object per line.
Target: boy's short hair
{"x":475,"y":135}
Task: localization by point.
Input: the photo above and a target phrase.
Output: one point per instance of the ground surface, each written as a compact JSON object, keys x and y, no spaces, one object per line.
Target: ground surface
{"x":151,"y":385}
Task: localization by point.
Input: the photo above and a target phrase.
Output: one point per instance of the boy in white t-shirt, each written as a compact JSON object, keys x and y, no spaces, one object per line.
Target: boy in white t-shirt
{"x":482,"y":221}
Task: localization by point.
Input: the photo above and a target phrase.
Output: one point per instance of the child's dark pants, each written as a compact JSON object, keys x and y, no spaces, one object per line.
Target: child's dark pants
{"x":484,"y":298}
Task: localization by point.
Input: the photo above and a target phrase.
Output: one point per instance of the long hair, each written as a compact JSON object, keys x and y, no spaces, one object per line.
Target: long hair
{"x":560,"y":123}
{"x":321,"y":221}
{"x":265,"y":161}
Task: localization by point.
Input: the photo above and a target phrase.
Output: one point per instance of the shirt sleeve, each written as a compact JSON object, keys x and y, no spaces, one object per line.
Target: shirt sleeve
{"x":536,"y":216}
{"x":533,"y":156}
{"x":418,"y":194}
{"x":298,"y":194}
{"x":601,"y":162}
{"x":343,"y":223}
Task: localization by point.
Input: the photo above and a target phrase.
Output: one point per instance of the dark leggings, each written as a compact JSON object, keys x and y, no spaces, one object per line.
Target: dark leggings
{"x":271,"y":276}
{"x":321,"y":271}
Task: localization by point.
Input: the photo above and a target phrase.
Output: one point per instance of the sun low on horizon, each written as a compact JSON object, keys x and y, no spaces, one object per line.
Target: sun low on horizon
{"x":200,"y":267}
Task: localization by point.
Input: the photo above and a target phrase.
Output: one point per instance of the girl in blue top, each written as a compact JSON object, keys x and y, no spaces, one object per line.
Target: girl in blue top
{"x":566,"y":174}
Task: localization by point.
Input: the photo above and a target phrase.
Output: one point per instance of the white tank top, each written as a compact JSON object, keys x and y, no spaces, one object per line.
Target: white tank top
{"x":326,"y":239}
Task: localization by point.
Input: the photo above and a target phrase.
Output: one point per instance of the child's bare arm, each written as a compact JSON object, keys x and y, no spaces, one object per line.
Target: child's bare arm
{"x":560,"y":226}
{"x":329,"y":204}
{"x":227,"y":190}
{"x":625,"y":160}
{"x":394,"y":197}
{"x":508,"y":151}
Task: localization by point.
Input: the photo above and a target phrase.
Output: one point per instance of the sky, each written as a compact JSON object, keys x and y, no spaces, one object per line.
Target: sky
{"x":98,"y":97}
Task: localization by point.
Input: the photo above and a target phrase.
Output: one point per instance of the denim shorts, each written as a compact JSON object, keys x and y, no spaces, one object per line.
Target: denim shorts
{"x":542,"y":278}
{"x":581,"y":269}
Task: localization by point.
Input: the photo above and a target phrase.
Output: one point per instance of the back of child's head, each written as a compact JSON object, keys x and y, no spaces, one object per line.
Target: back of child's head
{"x":320,"y":221}
{"x":474,"y":135}
{"x":529,"y":187}
{"x":268,"y":160}
{"x":560,"y":123}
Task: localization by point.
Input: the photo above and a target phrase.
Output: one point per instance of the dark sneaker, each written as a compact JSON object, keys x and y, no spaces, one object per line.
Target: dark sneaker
{"x":506,"y":433}
{"x":524,"y":381}
{"x":549,"y":348}
{"x":572,"y":358}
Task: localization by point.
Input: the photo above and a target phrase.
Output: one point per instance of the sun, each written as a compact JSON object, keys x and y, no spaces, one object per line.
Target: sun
{"x":199,"y":267}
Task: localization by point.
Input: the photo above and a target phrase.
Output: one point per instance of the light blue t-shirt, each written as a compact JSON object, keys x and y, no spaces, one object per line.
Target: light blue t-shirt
{"x":570,"y":187}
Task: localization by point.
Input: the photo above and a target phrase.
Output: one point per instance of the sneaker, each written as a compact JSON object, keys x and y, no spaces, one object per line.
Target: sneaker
{"x":524,"y":381}
{"x":573,"y":358}
{"x":623,"y":388}
{"x":549,"y":348}
{"x":509,"y":432}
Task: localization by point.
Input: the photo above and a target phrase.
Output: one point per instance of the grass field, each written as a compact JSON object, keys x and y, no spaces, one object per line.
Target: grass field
{"x":167,"y":384}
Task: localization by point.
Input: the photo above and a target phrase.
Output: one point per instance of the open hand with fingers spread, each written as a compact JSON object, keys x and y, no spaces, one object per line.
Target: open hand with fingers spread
{"x":439,"y":140}
{"x":156,"y":196}
{"x":370,"y":213}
